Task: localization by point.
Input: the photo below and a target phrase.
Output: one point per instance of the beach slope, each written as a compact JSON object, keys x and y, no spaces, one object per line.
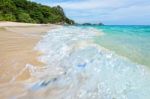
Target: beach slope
{"x":17,"y":42}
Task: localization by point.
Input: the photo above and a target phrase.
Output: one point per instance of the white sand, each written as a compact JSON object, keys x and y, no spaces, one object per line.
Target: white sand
{"x":17,"y":41}
{"x":5,"y":23}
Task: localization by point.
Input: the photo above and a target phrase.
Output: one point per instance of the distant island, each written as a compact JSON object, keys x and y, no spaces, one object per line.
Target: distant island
{"x":31,"y":12}
{"x":90,"y":24}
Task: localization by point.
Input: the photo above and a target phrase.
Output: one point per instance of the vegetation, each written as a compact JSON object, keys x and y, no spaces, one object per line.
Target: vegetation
{"x":31,"y":12}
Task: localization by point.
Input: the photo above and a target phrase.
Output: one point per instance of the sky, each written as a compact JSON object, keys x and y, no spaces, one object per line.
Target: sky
{"x":109,"y":12}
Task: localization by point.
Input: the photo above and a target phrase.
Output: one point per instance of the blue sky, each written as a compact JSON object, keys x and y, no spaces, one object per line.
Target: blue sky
{"x":107,"y":11}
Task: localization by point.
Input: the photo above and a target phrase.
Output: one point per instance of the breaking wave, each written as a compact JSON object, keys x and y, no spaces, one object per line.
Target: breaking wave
{"x":77,"y":68}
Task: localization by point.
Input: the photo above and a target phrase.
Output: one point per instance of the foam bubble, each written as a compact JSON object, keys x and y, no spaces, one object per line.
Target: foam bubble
{"x":90,"y":71}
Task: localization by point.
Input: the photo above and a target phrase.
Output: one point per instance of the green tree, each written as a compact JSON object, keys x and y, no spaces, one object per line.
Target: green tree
{"x":25,"y":17}
{"x":7,"y":6}
{"x":37,"y":16}
{"x":27,"y":11}
{"x":9,"y":17}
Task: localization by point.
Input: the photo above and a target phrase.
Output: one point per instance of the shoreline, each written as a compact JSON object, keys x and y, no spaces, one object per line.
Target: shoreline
{"x":12,"y":24}
{"x":17,"y":41}
{"x":81,"y":63}
{"x":17,"y":47}
{"x":54,"y":65}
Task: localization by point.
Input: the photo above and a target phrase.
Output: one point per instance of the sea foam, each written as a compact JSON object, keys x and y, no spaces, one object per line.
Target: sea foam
{"x":89,"y":71}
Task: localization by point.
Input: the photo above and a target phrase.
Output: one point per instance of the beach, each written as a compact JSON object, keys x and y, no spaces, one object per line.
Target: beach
{"x":74,"y":62}
{"x":74,"y":49}
{"x":17,"y":41}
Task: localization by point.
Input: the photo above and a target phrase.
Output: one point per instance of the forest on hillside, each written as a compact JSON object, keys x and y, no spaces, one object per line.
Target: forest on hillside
{"x":31,"y":12}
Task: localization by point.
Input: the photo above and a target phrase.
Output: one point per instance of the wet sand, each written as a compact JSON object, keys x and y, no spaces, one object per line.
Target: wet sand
{"x":17,"y":42}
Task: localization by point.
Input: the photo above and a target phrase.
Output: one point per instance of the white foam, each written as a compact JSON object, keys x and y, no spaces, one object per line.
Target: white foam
{"x":91,"y":72}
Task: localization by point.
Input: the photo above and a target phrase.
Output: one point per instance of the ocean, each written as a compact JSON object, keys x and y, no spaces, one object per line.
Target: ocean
{"x":96,"y":62}
{"x":132,"y":42}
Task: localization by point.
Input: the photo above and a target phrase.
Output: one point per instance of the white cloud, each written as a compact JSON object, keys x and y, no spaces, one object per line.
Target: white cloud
{"x":94,"y":4}
{"x":109,"y":11}
{"x":89,"y":4}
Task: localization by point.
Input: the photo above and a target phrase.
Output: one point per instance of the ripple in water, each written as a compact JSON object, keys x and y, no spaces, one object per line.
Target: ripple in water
{"x":89,"y":71}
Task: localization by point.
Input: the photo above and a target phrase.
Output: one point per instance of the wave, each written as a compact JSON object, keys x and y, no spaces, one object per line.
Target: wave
{"x":77,"y":68}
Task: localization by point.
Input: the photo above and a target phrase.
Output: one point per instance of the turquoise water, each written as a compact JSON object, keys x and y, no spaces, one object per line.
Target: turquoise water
{"x":78,"y":64}
{"x":132,"y":42}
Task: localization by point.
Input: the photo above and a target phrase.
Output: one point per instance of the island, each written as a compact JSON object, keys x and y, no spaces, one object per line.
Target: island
{"x":32,"y":12}
{"x":90,"y":24}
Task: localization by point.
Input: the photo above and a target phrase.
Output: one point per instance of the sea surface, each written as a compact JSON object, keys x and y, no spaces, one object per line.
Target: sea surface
{"x":132,"y":42}
{"x":96,"y":62}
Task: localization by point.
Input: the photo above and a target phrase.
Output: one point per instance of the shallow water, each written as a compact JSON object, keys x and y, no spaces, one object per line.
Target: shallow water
{"x":129,"y":41}
{"x":86,"y":70}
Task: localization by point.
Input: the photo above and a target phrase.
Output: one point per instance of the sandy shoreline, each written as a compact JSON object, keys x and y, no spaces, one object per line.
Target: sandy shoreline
{"x":12,"y":24}
{"x":17,"y":41}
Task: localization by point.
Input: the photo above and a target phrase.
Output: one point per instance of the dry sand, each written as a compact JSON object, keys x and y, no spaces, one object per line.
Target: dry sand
{"x":17,"y":41}
{"x":5,"y":23}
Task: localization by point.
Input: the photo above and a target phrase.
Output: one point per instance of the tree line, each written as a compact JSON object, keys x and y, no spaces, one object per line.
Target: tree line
{"x":31,"y":12}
